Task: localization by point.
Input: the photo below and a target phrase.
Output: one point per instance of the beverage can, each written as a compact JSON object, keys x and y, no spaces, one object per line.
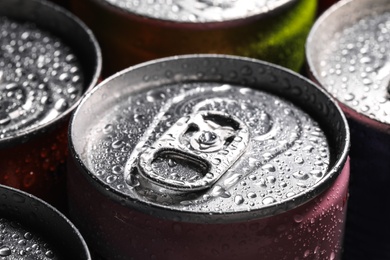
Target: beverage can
{"x":209,"y":157}
{"x":131,"y":32}
{"x":348,"y":54}
{"x":48,"y":59}
{"x":32,"y":229}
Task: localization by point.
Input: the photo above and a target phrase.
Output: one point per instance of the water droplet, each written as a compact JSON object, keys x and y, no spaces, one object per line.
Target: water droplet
{"x":28,"y":235}
{"x":110,"y":179}
{"x":49,"y":254}
{"x":268,"y":167}
{"x":61,"y":105}
{"x":299,"y":160}
{"x":232,"y":179}
{"x":117,"y":169}
{"x":238,"y":199}
{"x":132,"y":181}
{"x":251,"y":195}
{"x":298,"y":218}
{"x":300,"y":175}
{"x":5,"y":251}
{"x":117,"y":144}
{"x":218,"y":191}
{"x":316,"y":173}
{"x":268,"y":200}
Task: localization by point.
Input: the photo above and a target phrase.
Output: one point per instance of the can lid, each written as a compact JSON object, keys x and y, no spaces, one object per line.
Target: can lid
{"x":209,"y":138}
{"x":199,"y":11}
{"x":44,"y":70}
{"x":348,"y":51}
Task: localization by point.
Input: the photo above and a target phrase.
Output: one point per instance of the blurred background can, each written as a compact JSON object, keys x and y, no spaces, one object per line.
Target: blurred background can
{"x":48,"y":59}
{"x":32,"y":229}
{"x":348,"y":53}
{"x":131,"y":32}
{"x":209,"y":157}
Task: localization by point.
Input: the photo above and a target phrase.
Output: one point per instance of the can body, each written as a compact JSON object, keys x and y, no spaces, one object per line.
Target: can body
{"x":34,"y":229}
{"x":33,"y":159}
{"x":363,"y":95}
{"x":128,"y":38}
{"x":252,"y":209}
{"x":120,"y":233}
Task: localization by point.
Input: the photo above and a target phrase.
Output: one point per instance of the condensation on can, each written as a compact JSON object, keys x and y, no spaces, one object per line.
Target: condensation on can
{"x":32,"y":229}
{"x":348,"y":54}
{"x":209,"y":157}
{"x":274,"y":31}
{"x":32,"y":158}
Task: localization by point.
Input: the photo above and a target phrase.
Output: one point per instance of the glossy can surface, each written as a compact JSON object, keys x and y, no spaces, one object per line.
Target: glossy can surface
{"x":211,"y":157}
{"x":32,"y":229}
{"x":131,"y":32}
{"x":348,"y":54}
{"x":44,"y":70}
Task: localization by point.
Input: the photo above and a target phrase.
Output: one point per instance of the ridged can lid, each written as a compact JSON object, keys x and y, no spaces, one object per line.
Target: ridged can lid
{"x":199,"y":11}
{"x":209,"y":138}
{"x":348,"y":54}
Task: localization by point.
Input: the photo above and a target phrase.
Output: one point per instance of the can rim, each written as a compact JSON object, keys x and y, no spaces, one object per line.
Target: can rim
{"x":313,"y":73}
{"x":283,"y":5}
{"x":44,"y":206}
{"x":24,"y":136}
{"x":215,"y":217}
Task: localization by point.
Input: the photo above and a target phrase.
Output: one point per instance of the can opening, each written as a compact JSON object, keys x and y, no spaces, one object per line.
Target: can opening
{"x":178,"y":166}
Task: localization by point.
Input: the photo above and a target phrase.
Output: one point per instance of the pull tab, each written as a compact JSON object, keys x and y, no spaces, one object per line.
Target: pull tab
{"x":205,"y":144}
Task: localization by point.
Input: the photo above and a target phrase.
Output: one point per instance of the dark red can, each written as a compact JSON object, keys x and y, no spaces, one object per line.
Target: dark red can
{"x":32,"y":229}
{"x":209,"y":157}
{"x":131,"y":32}
{"x":348,"y":52}
{"x":48,"y":59}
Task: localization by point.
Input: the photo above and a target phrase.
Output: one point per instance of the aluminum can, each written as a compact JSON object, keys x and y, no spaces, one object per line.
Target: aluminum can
{"x":209,"y":157}
{"x":131,"y":32}
{"x":32,"y":229}
{"x":348,"y":54}
{"x":48,"y":59}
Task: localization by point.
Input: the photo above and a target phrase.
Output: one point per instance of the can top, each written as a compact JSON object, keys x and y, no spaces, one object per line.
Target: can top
{"x":199,"y":11}
{"x":36,"y":228}
{"x":209,"y":138}
{"x":44,"y":69}
{"x":348,"y":52}
{"x":40,"y":77}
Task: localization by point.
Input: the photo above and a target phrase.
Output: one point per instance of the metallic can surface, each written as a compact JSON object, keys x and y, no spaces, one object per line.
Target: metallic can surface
{"x":348,"y":54}
{"x":48,"y":59}
{"x":209,"y":157}
{"x":131,"y":32}
{"x":32,"y":229}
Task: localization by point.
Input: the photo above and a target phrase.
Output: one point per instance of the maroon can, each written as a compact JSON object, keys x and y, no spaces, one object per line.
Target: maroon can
{"x":209,"y":157}
{"x":32,"y":229}
{"x":131,"y":32}
{"x":348,"y":52}
{"x":48,"y":59}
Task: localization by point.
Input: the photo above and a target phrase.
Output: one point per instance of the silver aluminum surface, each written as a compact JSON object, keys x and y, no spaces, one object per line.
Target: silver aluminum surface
{"x":153,"y":137}
{"x":199,"y":11}
{"x":28,"y":64}
{"x":348,"y":54}
{"x":33,"y":229}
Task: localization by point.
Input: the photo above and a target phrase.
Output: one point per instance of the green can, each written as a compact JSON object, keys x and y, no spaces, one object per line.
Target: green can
{"x":134,"y":31}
